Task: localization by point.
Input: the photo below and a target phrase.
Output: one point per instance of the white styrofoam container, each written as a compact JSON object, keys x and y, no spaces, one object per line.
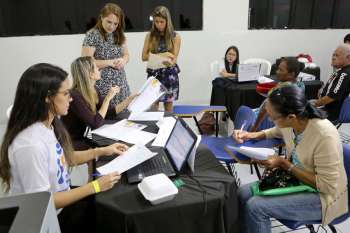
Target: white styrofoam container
{"x":157,"y":188}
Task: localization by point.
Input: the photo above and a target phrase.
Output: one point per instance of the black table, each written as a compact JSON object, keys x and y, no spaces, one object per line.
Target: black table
{"x":233,"y":94}
{"x":206,"y":203}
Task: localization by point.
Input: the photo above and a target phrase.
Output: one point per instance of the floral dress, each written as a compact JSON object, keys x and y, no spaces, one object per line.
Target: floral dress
{"x":105,"y":50}
{"x":167,"y":76}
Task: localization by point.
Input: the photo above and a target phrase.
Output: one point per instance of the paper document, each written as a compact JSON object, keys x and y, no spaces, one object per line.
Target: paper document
{"x":129,"y":124}
{"x":129,"y":159}
{"x":192,"y":157}
{"x":263,"y":79}
{"x":166,"y":126}
{"x":128,"y":133}
{"x":155,"y":61}
{"x":148,"y":94}
{"x":258,"y":153}
{"x":146,"y":116}
{"x":248,"y":72}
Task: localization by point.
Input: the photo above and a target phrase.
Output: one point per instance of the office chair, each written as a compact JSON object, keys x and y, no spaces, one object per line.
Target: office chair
{"x":344,"y":115}
{"x":265,"y":64}
{"x":309,"y":224}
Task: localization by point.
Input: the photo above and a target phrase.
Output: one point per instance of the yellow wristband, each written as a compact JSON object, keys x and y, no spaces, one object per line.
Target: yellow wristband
{"x":96,"y":186}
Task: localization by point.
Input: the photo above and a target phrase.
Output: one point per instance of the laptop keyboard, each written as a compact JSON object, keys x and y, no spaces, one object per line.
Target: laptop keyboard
{"x":155,"y":165}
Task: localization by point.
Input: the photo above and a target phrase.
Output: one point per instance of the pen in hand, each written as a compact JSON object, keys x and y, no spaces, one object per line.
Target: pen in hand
{"x":241,"y":130}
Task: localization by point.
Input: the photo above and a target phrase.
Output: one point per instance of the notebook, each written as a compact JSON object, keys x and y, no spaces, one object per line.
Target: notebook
{"x":248,"y":72}
{"x":170,"y":159}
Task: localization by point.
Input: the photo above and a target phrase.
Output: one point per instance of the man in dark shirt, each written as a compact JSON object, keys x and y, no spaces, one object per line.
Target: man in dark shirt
{"x":337,"y":88}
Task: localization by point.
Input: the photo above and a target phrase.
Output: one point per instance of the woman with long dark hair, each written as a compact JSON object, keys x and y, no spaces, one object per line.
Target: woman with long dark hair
{"x":228,"y":69}
{"x":314,"y":156}
{"x":36,"y":150}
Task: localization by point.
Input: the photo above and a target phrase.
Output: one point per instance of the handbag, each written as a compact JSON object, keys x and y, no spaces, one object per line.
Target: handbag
{"x":207,"y":123}
{"x":277,"y":181}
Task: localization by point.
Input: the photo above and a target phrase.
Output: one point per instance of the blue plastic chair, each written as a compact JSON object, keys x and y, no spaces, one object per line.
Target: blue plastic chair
{"x":309,"y":224}
{"x":247,"y":115}
{"x":344,"y":115}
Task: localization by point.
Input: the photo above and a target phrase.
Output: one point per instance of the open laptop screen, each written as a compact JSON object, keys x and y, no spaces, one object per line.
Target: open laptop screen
{"x":179,"y":144}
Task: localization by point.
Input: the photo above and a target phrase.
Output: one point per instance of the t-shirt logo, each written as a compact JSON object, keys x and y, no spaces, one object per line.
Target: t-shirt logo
{"x":62,"y":175}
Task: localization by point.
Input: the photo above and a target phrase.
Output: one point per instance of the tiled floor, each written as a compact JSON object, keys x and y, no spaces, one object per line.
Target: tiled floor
{"x":79,"y":176}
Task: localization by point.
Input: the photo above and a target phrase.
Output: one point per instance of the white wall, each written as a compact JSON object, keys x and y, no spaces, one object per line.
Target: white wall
{"x":225,"y":23}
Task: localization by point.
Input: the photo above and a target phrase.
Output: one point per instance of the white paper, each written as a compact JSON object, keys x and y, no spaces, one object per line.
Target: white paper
{"x":146,"y":116}
{"x":263,"y":79}
{"x":129,"y":124}
{"x":258,"y":153}
{"x":129,"y":159}
{"x":131,"y":134}
{"x":248,"y":72}
{"x":192,"y":157}
{"x":155,"y":61}
{"x":148,"y":94}
{"x":164,"y":131}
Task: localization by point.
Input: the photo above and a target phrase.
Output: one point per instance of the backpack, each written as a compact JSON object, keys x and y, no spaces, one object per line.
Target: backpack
{"x":207,"y":123}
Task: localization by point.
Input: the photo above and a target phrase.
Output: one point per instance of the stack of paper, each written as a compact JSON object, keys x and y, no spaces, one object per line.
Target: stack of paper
{"x":254,"y":152}
{"x":165,"y":128}
{"x":148,"y":94}
{"x":156,"y":61}
{"x":129,"y":159}
{"x":125,"y":131}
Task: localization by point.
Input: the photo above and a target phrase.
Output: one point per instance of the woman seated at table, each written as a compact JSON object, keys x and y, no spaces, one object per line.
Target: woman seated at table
{"x":36,"y":149}
{"x":287,"y":74}
{"x":228,"y":67}
{"x":89,"y":108}
{"x":314,"y":156}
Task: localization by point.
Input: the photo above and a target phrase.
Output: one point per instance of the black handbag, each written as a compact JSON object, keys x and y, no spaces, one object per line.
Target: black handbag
{"x":277,"y":178}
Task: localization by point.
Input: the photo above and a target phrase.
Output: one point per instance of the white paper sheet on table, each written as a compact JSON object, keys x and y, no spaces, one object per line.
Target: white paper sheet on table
{"x":146,"y":116}
{"x":165,"y":128}
{"x":129,"y":159}
{"x":148,"y":94}
{"x":131,"y":134}
{"x":258,"y":153}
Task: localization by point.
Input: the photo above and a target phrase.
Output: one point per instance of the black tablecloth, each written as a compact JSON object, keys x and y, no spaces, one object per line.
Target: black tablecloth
{"x":233,"y":94}
{"x":206,"y":203}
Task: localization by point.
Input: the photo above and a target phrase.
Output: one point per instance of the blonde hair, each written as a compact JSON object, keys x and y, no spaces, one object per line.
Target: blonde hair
{"x":162,"y":12}
{"x":81,"y":70}
{"x":118,"y":34}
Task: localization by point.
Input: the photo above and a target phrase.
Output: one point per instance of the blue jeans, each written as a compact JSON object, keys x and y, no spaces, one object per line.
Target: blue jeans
{"x":256,"y":211}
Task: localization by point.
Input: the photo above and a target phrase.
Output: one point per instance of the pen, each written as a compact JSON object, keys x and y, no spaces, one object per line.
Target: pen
{"x":244,"y":123}
{"x":241,"y":130}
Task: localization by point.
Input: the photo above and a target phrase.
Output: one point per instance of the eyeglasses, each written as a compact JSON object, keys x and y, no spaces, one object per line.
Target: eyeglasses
{"x":66,"y":93}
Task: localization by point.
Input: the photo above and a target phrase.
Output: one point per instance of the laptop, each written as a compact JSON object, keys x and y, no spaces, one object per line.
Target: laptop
{"x":171,"y":159}
{"x":248,"y":72}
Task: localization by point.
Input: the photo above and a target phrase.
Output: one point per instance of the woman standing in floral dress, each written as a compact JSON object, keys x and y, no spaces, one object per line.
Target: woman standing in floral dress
{"x":106,"y":42}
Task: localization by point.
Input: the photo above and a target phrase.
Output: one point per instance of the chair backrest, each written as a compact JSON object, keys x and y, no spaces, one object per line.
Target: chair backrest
{"x":344,"y":115}
{"x":266,"y":123}
{"x":244,"y":115}
{"x":214,"y":69}
{"x":346,"y":154}
{"x":265,"y":64}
